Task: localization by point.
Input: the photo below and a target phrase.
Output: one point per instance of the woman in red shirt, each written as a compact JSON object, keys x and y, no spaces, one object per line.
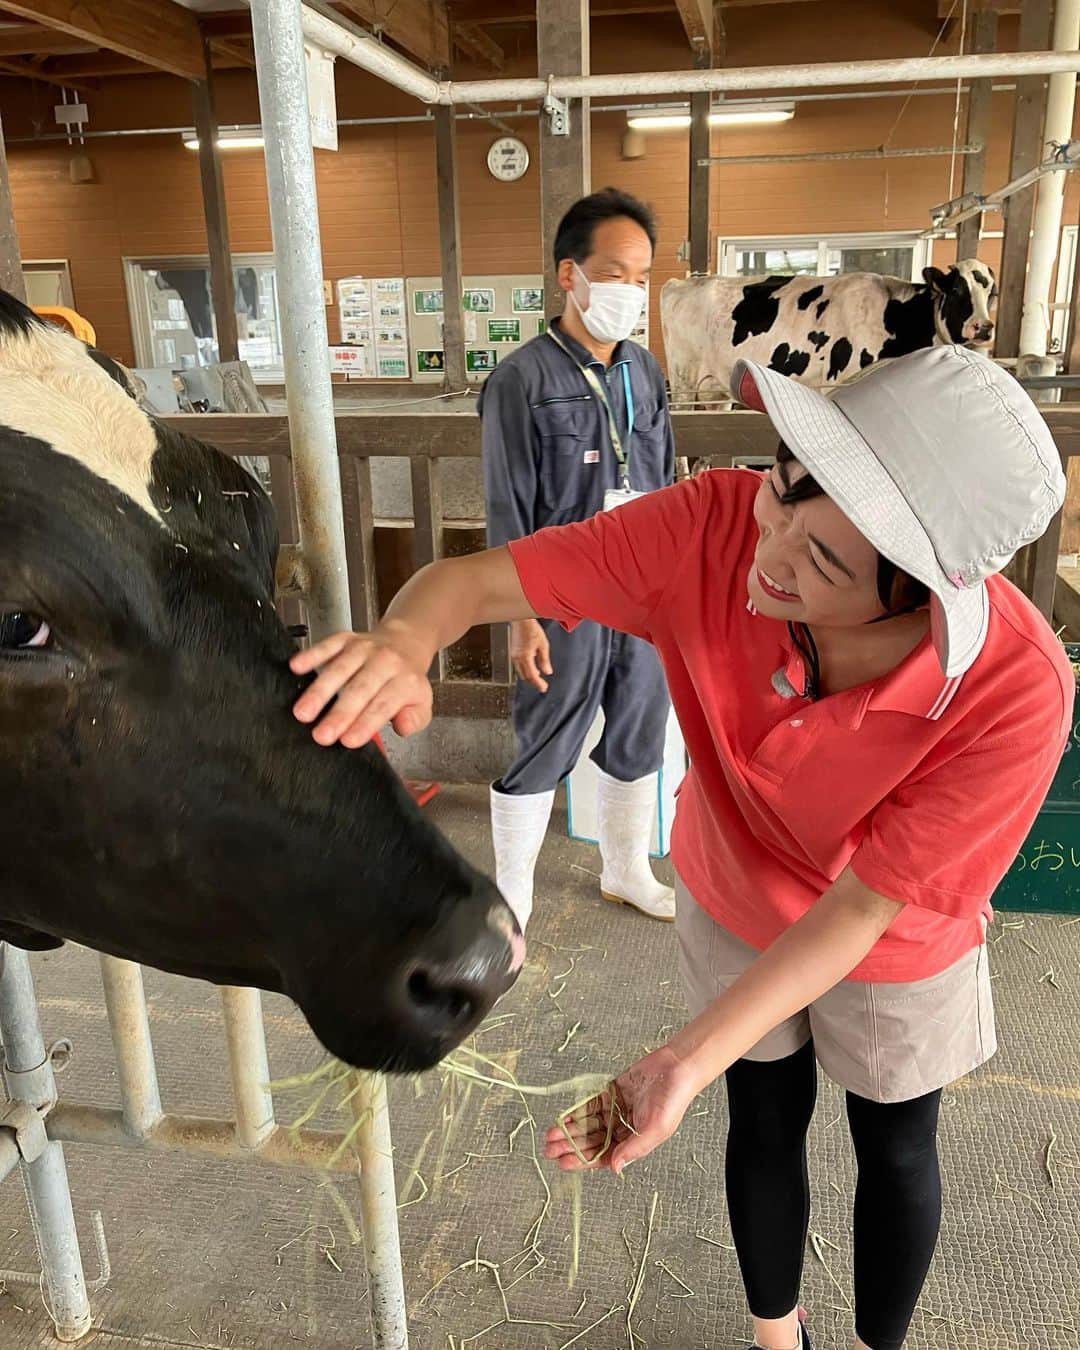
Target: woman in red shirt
{"x":873,"y":717}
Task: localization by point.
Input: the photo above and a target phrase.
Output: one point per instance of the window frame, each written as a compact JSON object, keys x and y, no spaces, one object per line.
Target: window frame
{"x":921,"y":256}
{"x":141,"y":335}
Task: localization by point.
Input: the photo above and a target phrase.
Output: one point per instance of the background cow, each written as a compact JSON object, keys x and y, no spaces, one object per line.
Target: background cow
{"x":819,"y":330}
{"x":160,"y":802}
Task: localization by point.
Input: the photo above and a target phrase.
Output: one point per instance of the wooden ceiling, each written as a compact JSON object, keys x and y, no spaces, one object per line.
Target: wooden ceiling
{"x":74,"y":43}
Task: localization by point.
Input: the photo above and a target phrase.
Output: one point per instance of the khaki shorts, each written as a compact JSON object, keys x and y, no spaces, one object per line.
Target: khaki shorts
{"x":886,"y":1042}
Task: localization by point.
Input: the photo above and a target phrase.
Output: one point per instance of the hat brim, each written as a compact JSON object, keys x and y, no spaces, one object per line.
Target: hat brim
{"x":831,"y":448}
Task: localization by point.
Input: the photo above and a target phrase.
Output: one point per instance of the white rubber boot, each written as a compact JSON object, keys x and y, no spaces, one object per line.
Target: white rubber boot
{"x":626,"y":815}
{"x":518,"y":826}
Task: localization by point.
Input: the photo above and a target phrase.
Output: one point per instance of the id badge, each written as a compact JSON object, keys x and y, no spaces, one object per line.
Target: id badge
{"x":614,"y":497}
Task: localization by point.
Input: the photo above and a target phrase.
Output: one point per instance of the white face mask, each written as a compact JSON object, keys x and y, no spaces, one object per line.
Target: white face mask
{"x":614,"y":308}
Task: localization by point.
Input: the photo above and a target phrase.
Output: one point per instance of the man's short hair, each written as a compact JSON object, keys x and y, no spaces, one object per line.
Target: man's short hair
{"x":574,"y":237}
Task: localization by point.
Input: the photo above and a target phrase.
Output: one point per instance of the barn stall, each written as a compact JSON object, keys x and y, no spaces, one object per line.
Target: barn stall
{"x":199,"y":1247}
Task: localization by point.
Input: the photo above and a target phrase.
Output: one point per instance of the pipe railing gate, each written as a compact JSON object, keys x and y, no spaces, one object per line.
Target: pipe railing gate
{"x":33,"y":1123}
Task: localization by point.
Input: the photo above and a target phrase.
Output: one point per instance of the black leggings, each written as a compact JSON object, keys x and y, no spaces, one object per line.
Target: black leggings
{"x":897,"y":1199}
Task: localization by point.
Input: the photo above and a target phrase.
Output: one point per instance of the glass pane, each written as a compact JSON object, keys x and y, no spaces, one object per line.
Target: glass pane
{"x":181,"y":316}
{"x":44,"y":287}
{"x":798,"y":260}
{"x":888,"y":262}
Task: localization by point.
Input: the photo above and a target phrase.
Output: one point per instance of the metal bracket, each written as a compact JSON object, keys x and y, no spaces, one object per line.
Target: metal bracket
{"x":28,"y":1125}
{"x":558,"y":113}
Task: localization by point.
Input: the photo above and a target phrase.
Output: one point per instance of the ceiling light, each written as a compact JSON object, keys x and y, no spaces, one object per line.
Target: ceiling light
{"x":228,"y":140}
{"x":722,"y":115}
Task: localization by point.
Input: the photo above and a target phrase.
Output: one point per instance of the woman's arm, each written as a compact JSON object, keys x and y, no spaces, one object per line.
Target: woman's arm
{"x":381,"y":676}
{"x":812,"y":956}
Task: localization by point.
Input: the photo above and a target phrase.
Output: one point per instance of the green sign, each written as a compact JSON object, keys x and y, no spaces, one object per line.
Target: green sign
{"x":541,"y":327}
{"x":429,"y":361}
{"x":427,"y":302}
{"x":504,"y":330}
{"x":481,"y":360}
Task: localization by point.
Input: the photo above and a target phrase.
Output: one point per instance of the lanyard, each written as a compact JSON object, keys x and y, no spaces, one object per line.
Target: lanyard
{"x":596,"y":385}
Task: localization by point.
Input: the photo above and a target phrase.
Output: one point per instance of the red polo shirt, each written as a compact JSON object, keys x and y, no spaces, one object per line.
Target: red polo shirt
{"x":927,"y":787}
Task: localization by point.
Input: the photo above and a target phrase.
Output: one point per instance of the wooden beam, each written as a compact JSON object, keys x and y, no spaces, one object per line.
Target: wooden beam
{"x":419,"y":27}
{"x":978,"y":132}
{"x":235,"y":24}
{"x":1019,"y":209}
{"x":236,"y":54}
{"x":562,"y":48}
{"x":28,"y":39}
{"x":105,"y":65}
{"x":697,"y":20}
{"x":494,"y":12}
{"x":11,"y":273}
{"x":222,"y":285}
{"x":33,"y":70}
{"x":450,"y":248}
{"x":155,"y":32}
{"x":948,"y":9}
{"x":473,"y":41}
{"x":700,"y":146}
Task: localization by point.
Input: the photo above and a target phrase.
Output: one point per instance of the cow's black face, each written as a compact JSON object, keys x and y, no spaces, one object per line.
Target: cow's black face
{"x":161,"y":803}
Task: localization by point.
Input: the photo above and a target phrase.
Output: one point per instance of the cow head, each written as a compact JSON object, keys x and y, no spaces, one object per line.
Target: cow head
{"x":964,"y":301}
{"x":160,"y":802}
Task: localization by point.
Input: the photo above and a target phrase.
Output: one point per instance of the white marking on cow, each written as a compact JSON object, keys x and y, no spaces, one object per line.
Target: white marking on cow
{"x":53,"y":390}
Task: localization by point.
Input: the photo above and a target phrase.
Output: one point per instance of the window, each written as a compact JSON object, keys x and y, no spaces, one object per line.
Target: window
{"x":48,"y":283}
{"x":897,"y":255}
{"x":172,"y":314}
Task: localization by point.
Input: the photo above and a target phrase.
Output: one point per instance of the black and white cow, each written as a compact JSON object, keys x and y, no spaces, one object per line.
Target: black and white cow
{"x":158,"y":801}
{"x":818,"y":330}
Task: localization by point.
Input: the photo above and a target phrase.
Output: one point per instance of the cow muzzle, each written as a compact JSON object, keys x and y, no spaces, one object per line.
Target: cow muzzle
{"x":979,"y":334}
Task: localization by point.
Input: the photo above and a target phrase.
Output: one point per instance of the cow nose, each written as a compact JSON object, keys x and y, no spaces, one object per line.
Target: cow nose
{"x":444,"y":996}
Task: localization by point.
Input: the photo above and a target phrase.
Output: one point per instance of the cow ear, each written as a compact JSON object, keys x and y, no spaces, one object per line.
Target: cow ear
{"x":936,"y":279}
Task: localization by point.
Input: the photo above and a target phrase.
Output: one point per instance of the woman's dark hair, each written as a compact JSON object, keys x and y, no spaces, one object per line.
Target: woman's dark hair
{"x":897,"y":590}
{"x":574,"y":237}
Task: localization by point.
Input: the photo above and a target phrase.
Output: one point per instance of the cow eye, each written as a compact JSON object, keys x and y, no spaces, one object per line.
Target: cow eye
{"x":20,"y":630}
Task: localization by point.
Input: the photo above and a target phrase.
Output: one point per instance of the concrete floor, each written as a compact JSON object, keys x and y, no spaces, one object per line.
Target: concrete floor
{"x":227,"y":1257}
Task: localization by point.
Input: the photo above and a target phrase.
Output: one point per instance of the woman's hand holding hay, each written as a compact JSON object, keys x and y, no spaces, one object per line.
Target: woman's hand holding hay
{"x":641,"y":1109}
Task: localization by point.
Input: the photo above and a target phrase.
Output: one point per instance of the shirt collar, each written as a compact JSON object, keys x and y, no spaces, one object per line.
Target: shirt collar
{"x":917,"y":687}
{"x":583,"y":356}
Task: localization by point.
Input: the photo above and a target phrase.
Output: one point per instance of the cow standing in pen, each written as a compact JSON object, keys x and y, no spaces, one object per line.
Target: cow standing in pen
{"x":821,"y":331}
{"x":160,"y":802}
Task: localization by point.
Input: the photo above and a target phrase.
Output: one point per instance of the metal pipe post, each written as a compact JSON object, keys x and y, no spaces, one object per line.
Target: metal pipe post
{"x":136,"y":1071}
{"x":29,"y":1078}
{"x":379,"y":1219}
{"x":249,"y":1065}
{"x":294,"y":221}
{"x":1046,"y":223}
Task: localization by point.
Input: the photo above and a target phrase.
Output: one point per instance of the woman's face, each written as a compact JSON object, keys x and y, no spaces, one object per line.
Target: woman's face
{"x":811,"y":564}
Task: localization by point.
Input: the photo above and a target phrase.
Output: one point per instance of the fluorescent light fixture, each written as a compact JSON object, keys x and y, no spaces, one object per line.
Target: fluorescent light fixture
{"x":723,"y":115}
{"x":228,"y":140}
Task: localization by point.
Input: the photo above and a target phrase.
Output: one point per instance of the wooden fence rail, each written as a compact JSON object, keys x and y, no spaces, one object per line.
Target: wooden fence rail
{"x":427,"y":439}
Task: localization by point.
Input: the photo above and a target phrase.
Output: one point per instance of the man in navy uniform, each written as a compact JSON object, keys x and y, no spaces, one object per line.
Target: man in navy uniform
{"x":576,"y":422}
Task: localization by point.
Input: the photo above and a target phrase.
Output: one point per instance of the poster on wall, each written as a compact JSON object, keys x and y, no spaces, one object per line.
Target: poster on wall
{"x":481,"y":360}
{"x":428,"y":302}
{"x":479,"y":299}
{"x":391,"y":335}
{"x":429,"y":362}
{"x":374,"y":320}
{"x":527,"y":300}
